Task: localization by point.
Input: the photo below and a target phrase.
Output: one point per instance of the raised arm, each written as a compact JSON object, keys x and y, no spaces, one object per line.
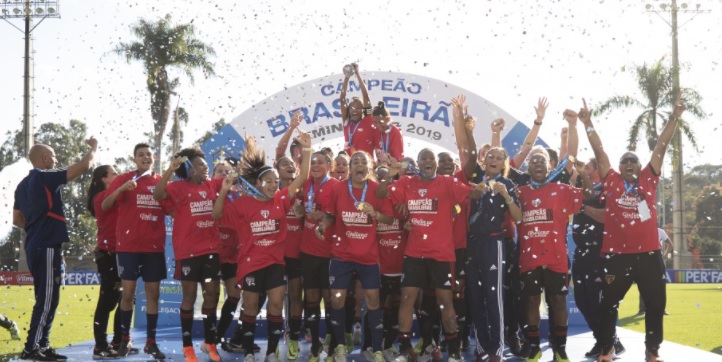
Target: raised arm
{"x":470,"y":163}
{"x":587,"y":184}
{"x":514,"y":209}
{"x":305,"y":140}
{"x":572,"y":146}
{"x":159,"y":193}
{"x":342,"y":96}
{"x":283,"y":142}
{"x":497,"y":126}
{"x":462,"y":144}
{"x":585,"y":115}
{"x":362,"y":85}
{"x":530,"y":139}
{"x":84,"y":164}
{"x":223,"y":195}
{"x":663,"y":141}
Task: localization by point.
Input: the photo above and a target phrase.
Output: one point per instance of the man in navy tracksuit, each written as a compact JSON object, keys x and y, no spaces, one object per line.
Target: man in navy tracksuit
{"x":38,"y":209}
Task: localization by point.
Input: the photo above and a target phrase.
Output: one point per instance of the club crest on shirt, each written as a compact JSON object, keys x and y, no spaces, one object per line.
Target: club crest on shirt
{"x":265,"y":213}
{"x":536,"y":202}
{"x":203,"y":194}
{"x":186,"y":270}
{"x":250,"y":281}
{"x":151,"y":189}
{"x":422,"y":192}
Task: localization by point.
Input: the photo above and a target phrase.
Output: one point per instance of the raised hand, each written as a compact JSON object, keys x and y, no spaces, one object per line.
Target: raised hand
{"x":296,"y":119}
{"x":500,"y":188}
{"x":304,"y":138}
{"x":541,"y":108}
{"x":177,"y":162}
{"x":585,"y":115}
{"x":128,"y":185}
{"x":679,"y":107}
{"x":498,"y":125}
{"x":469,"y":123}
{"x":571,"y":116}
{"x":92,"y":142}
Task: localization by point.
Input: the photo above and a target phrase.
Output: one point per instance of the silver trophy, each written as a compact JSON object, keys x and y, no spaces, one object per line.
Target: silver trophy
{"x":348,"y":70}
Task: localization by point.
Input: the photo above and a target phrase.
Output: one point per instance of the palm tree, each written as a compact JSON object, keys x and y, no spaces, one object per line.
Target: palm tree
{"x":655,"y":83}
{"x":162,"y":45}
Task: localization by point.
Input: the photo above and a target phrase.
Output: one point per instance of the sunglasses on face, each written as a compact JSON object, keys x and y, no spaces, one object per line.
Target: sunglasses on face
{"x":628,"y":160}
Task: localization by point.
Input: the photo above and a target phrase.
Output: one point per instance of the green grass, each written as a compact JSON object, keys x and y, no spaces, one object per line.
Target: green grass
{"x":73,"y":320}
{"x":695,"y":314}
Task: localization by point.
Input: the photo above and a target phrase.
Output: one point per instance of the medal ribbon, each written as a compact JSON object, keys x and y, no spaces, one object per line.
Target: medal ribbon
{"x":312,"y":195}
{"x":356,"y":203}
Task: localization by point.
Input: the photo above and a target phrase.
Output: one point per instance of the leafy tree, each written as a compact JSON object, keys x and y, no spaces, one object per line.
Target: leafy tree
{"x":708,"y":212}
{"x":657,"y":102}
{"x":162,"y":45}
{"x":180,"y":120}
{"x":216,"y":127}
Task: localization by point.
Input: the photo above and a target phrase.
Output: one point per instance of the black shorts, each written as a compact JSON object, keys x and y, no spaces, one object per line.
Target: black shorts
{"x":390,"y":286}
{"x":460,"y":264}
{"x":228,"y":271}
{"x":150,"y":266}
{"x":202,"y":268}
{"x":261,"y":280}
{"x":293,"y":268}
{"x":422,"y":273}
{"x":314,"y":271}
{"x":534,"y":280}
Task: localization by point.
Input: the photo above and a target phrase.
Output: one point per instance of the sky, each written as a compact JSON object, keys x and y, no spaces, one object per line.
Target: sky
{"x":509,"y":52}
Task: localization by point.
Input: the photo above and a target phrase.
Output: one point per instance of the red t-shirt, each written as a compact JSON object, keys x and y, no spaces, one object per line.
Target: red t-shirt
{"x":310,"y":244}
{"x":105,"y":221}
{"x":295,"y":231}
{"x":354,"y":234}
{"x":261,"y":226}
{"x":392,"y":142}
{"x":392,"y":245}
{"x":430,"y":205}
{"x":229,"y":238}
{"x":361,"y":136}
{"x":624,"y":232}
{"x":543,"y":229}
{"x":141,"y":219}
{"x":461,"y":224}
{"x":194,"y":229}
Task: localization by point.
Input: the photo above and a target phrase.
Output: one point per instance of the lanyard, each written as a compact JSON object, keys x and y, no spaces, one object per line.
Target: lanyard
{"x":188,"y":164}
{"x":249,"y":189}
{"x":385,"y":141}
{"x":356,"y":203}
{"x":312,"y":195}
{"x":630,"y":188}
{"x":415,"y":171}
{"x":552,"y":175}
{"x":352,"y":133}
{"x":473,"y":217}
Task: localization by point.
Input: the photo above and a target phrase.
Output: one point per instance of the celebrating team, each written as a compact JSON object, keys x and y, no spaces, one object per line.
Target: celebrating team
{"x":465,"y":246}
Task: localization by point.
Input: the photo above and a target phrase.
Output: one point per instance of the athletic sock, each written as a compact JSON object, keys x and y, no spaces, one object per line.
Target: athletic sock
{"x":209,"y":325}
{"x":152,"y":320}
{"x":248,"y":332}
{"x":186,"y":317}
{"x":275,"y":329}
{"x":375,"y":323}
{"x":227,"y":312}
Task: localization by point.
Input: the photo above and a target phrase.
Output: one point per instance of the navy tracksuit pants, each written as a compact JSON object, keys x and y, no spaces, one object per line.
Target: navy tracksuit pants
{"x":587,"y":277}
{"x":485,"y":278}
{"x":45,"y":266}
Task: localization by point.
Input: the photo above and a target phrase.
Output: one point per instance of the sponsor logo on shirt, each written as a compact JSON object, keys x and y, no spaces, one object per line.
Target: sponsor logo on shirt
{"x":423,"y":206}
{"x":355,"y":218}
{"x":384,"y":228}
{"x":537,"y":215}
{"x":421,"y":222}
{"x":390,"y":243}
{"x":264,"y":242}
{"x":293,"y":228}
{"x":356,"y":235}
{"x":148,"y":217}
{"x":203,"y":207}
{"x":224,"y":236}
{"x":264,"y":227}
{"x":536,"y":233}
{"x":205,"y":224}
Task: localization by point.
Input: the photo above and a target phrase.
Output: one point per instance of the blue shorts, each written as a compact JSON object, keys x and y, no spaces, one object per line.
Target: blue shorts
{"x":340,"y":273}
{"x":150,"y":266}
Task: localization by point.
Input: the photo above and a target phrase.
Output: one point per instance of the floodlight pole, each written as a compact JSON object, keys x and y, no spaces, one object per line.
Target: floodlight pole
{"x":27,"y":116}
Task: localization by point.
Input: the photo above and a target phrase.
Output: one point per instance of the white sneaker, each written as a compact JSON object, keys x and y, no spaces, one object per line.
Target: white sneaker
{"x":400,"y":358}
{"x":272,"y":358}
{"x":455,"y":359}
{"x":357,"y":332}
{"x":249,"y":358}
{"x":14,"y":331}
{"x":368,"y":355}
{"x":389,"y":354}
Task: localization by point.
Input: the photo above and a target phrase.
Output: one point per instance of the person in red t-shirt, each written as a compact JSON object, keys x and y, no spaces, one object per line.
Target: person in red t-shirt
{"x":261,"y":214}
{"x":315,"y":251}
{"x":359,"y":131}
{"x":430,"y":200}
{"x":196,"y":243}
{"x":140,"y":245}
{"x":543,"y":261}
{"x":354,"y":211}
{"x":104,"y":252}
{"x":229,"y":260}
{"x":392,"y":142}
{"x":630,"y":247}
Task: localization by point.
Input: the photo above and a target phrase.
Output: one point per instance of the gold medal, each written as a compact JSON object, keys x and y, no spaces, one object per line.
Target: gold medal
{"x":360,"y":206}
{"x":457,"y":208}
{"x":572,"y":159}
{"x":492,"y":183}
